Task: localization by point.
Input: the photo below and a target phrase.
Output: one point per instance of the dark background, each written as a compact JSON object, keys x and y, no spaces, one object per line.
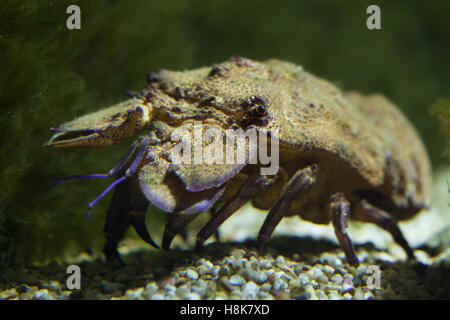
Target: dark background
{"x":49,"y":75}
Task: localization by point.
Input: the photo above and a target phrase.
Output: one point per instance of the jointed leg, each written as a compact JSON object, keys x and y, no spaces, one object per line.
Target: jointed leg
{"x":137,"y":208}
{"x":117,"y":221}
{"x":300,"y":182}
{"x":340,"y":210}
{"x":253,"y":184}
{"x":128,"y":206}
{"x":176,"y":224}
{"x":368,"y":213}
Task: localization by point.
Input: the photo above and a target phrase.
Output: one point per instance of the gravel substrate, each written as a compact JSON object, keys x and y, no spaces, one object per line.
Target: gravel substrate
{"x":307,"y":266}
{"x":225,"y":271}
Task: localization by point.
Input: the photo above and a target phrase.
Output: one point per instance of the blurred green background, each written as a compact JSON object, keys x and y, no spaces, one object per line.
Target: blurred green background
{"x":50,"y":75}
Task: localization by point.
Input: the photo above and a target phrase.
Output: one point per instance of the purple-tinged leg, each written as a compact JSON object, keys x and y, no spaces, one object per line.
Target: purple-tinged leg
{"x":340,"y":210}
{"x":139,"y":146}
{"x":302,"y":181}
{"x":143,"y":144}
{"x":80,"y":176}
{"x":364,"y":211}
{"x":253,"y":184}
{"x":108,"y":189}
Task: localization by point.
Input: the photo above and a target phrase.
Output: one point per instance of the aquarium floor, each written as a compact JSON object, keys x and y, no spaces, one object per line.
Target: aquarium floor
{"x":300,"y":261}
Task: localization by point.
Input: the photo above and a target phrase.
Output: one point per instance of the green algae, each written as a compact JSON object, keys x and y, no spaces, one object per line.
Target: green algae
{"x":50,"y":75}
{"x":441,"y":109}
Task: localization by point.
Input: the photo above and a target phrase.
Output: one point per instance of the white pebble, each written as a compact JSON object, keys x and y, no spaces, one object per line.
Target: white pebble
{"x":135,"y":294}
{"x":192,"y":296}
{"x":347,"y":286}
{"x":368,"y":295}
{"x":249,"y":290}
{"x":215,"y":271}
{"x":336,"y":278}
{"x":348,"y":296}
{"x":334,"y":296}
{"x":314,"y":284}
{"x":236,"y":280}
{"x":279,"y":284}
{"x":229,"y":259}
{"x":266,"y":287}
{"x":260,"y":277}
{"x":191,"y":274}
{"x":304,"y":279}
{"x":328,"y":270}
{"x":265,"y":264}
{"x":152,"y":287}
{"x":359,"y":295}
{"x":42,"y":294}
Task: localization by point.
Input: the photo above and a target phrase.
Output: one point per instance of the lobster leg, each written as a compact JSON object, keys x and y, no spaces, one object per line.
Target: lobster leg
{"x":340,"y":209}
{"x":117,"y":221}
{"x":137,"y":208}
{"x":176,"y":224}
{"x":128,"y":205}
{"x":301,"y":181}
{"x":363,"y":211}
{"x":253,"y":184}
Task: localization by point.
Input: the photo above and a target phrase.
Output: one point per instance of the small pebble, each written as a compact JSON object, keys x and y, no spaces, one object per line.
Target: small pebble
{"x":42,"y":294}
{"x":337,"y":279}
{"x":8,"y":294}
{"x":249,"y":290}
{"x":191,"y":274}
{"x":346,"y":287}
{"x":348,"y":296}
{"x":368,"y":295}
{"x":151,"y":287}
{"x":229,"y":260}
{"x":314,"y":284}
{"x":236,"y":280}
{"x":21,"y":288}
{"x":265,"y":264}
{"x":328,"y":270}
{"x":200,"y":289}
{"x":224,"y":270}
{"x":300,"y":293}
{"x":279,"y":284}
{"x":157,"y":296}
{"x":266,"y":287}
{"x":260,"y":277}
{"x":192,"y":296}
{"x":334,"y":295}
{"x":304,"y":279}
{"x":358,"y":295}
{"x":134,"y":294}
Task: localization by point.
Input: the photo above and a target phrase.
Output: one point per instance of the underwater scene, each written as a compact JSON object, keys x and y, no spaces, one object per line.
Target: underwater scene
{"x":224,"y":150}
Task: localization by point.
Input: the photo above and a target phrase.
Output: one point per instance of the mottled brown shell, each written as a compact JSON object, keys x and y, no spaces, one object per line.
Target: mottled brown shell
{"x":364,"y":145}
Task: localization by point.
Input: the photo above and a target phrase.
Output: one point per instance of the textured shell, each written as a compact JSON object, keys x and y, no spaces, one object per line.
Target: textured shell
{"x":380,"y":151}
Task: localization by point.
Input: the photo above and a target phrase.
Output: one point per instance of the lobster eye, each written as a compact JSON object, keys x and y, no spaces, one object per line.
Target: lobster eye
{"x":259,"y":111}
{"x":257,"y":106}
